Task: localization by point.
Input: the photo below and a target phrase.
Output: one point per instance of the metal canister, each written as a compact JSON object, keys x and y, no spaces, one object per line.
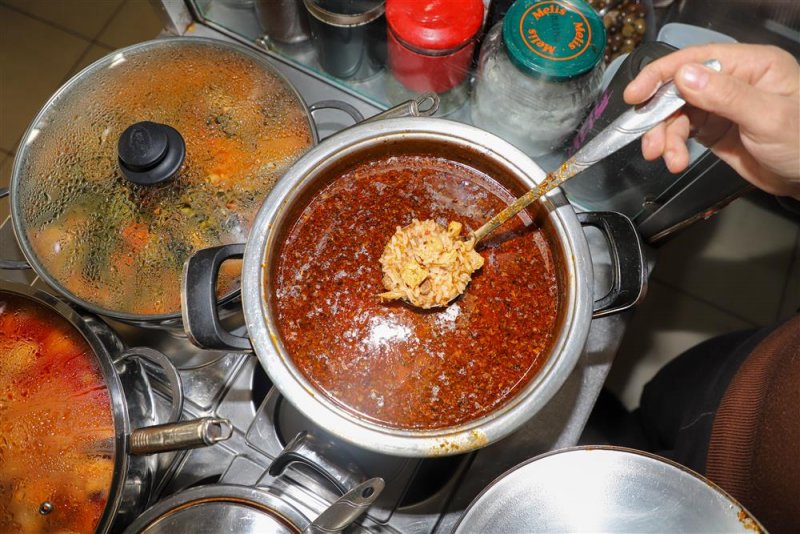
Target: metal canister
{"x":349,"y":35}
{"x":283,"y":21}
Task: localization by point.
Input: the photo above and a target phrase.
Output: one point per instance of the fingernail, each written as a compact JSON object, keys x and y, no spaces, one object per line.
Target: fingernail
{"x":694,"y":76}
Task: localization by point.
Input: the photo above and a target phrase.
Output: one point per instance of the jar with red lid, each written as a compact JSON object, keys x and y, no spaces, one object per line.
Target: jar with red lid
{"x":431,"y":45}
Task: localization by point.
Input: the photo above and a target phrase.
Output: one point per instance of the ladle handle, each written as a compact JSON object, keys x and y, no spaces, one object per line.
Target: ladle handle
{"x":628,"y":127}
{"x":631,"y":125}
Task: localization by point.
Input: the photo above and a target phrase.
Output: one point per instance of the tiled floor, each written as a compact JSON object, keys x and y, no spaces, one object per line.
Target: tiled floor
{"x":738,"y":270}
{"x":45,"y":42}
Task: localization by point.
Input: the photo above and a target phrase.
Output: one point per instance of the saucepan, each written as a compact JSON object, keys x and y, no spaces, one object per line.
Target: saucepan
{"x":150,"y":153}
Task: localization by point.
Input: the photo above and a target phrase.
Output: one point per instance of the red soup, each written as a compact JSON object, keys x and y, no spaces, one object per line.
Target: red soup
{"x":55,"y":415}
{"x":392,"y":363}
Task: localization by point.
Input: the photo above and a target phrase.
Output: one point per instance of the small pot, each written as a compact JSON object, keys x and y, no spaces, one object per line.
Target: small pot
{"x":269,"y":508}
{"x":151,"y":152}
{"x":136,"y":434}
{"x":456,"y":142}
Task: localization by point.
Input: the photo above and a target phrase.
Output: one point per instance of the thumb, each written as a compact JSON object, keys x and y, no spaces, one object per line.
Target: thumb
{"x":720,"y":94}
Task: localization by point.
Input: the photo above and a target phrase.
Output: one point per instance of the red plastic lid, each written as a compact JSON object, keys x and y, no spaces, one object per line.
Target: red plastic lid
{"x":434,"y":24}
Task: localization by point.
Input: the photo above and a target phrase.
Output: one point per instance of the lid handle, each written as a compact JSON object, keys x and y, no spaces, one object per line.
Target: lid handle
{"x":150,"y":153}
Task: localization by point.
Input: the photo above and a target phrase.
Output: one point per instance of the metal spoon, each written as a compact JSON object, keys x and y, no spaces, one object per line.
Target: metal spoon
{"x":627,"y":128}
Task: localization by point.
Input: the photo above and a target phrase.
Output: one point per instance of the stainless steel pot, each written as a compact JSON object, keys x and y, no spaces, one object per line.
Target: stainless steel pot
{"x":269,"y":507}
{"x":137,"y":432}
{"x":90,"y":176}
{"x":604,"y":489}
{"x":454,"y":141}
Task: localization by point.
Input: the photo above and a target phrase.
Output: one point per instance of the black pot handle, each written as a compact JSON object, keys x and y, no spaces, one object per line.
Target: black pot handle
{"x":13,"y":265}
{"x":199,"y":295}
{"x":628,"y":267}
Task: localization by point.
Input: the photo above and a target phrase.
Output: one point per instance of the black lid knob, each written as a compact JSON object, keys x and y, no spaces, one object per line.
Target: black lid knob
{"x":150,"y":153}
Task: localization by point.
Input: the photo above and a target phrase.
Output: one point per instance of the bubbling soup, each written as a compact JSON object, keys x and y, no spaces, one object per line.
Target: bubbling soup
{"x":392,"y":363}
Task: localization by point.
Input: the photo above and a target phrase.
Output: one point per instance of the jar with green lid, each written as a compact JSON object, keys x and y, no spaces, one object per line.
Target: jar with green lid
{"x":540,"y":69}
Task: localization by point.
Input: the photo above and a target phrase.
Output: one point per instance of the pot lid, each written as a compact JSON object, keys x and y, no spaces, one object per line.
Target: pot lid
{"x":220,"y":508}
{"x":559,"y":39}
{"x":602,"y":489}
{"x":434,"y":24}
{"x":148,"y":155}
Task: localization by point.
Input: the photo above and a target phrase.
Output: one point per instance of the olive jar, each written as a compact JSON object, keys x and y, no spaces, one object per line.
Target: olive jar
{"x":539,"y":71}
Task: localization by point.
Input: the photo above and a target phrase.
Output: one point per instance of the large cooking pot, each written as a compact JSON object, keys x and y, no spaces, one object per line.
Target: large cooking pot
{"x":455,"y":142}
{"x":604,"y":489}
{"x":149,"y":154}
{"x":98,"y":402}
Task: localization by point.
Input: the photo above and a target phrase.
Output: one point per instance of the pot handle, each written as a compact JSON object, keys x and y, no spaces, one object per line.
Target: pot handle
{"x":628,"y":267}
{"x":424,"y":105}
{"x":347,"y":508}
{"x":180,"y":436}
{"x":306,"y":449}
{"x":199,"y":295}
{"x":337,"y":104}
{"x":151,"y":357}
{"x":15,"y":265}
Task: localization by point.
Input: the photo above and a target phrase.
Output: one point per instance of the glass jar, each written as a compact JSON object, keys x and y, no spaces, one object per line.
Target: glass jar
{"x":539,"y":71}
{"x":430,"y":45}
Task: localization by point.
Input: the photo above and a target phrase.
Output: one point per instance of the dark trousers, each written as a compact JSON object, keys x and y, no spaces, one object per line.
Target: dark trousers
{"x":677,"y":408}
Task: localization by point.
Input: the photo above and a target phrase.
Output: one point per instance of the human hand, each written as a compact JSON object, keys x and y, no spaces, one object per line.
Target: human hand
{"x":748,"y":114}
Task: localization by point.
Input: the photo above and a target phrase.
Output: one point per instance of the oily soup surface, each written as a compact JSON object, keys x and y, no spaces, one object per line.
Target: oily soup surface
{"x":390,"y":362}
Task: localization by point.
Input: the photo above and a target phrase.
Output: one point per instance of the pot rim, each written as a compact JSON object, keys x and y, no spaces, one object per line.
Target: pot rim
{"x":119,"y":411}
{"x":566,"y":348}
{"x":16,"y":171}
{"x":254,"y":496}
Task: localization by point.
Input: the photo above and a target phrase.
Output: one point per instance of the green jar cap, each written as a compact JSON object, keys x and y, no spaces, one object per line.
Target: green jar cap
{"x":559,"y":39}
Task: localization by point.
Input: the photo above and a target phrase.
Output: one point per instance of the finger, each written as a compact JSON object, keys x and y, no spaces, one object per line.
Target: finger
{"x":747,"y":62}
{"x":676,"y":154}
{"x":653,"y":142}
{"x":722,"y":95}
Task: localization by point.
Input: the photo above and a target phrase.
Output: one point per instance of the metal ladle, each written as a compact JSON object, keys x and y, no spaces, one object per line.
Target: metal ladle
{"x":627,"y":128}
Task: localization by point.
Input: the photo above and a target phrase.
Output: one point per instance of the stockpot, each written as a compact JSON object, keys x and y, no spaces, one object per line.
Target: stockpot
{"x":150,"y":153}
{"x":137,"y":432}
{"x":456,"y":142}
